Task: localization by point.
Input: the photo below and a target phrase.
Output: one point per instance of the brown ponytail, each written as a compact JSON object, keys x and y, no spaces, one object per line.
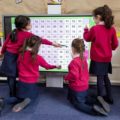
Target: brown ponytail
{"x":79,"y":46}
{"x":13,"y":35}
{"x":106,"y":15}
{"x":34,"y":43}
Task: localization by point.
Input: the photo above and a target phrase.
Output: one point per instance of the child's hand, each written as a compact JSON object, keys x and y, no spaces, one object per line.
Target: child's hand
{"x":58,"y":66}
{"x":56,"y":45}
{"x":86,"y":27}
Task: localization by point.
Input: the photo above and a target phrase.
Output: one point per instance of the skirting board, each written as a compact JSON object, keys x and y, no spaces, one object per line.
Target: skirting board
{"x":92,"y":81}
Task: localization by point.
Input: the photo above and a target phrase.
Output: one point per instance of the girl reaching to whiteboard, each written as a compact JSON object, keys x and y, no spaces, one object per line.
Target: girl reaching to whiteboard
{"x":78,"y":78}
{"x":28,"y":73}
{"x":10,"y":50}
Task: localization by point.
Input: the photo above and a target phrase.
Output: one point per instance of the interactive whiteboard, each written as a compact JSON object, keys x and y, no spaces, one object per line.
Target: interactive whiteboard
{"x":60,"y":29}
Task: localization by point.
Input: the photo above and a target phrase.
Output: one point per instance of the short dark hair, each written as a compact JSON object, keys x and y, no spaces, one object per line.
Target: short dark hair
{"x":21,"y":21}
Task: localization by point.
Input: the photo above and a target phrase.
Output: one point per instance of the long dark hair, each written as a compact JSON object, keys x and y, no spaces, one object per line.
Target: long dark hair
{"x":79,"y":46}
{"x":106,"y":15}
{"x":34,"y":43}
{"x":20,"y":23}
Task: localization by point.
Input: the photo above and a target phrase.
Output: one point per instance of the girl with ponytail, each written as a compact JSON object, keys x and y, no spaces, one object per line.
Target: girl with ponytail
{"x":11,"y":47}
{"x":28,"y":64}
{"x":105,"y":14}
{"x":104,"y":39}
{"x":78,"y":78}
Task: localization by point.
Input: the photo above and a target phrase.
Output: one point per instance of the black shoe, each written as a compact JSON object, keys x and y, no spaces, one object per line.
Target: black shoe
{"x":1,"y":105}
{"x":108,"y":100}
{"x":99,"y":110}
{"x":104,"y":104}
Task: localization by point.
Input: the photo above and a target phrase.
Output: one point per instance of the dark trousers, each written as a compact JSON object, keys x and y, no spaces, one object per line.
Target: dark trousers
{"x":103,"y":81}
{"x":12,"y":86}
{"x":79,"y":101}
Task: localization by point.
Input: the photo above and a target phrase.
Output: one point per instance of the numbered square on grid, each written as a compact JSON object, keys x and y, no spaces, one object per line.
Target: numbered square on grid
{"x":54,"y":37}
{"x":47,"y":28}
{"x":74,"y":22}
{"x":61,"y":21}
{"x":61,"y":27}
{"x":48,"y":31}
{"x":61,"y":41}
{"x":73,"y":25}
{"x":66,"y":37}
{"x":67,"y":31}
{"x":60,"y":36}
{"x":47,"y":36}
{"x":80,"y":36}
{"x":67,"y":26}
{"x":79,"y":21}
{"x":73,"y":36}
{"x":43,"y":21}
{"x":79,"y":31}
{"x":67,"y":21}
{"x":79,"y":26}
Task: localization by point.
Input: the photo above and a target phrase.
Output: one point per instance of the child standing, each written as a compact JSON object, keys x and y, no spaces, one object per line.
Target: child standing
{"x":78,"y":77}
{"x":11,"y":47}
{"x":104,"y":40}
{"x":28,"y":72}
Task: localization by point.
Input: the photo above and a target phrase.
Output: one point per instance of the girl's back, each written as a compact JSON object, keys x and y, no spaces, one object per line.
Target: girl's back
{"x":104,"y":41}
{"x":14,"y":47}
{"x":79,"y":68}
{"x":29,"y":62}
{"x":27,"y":66}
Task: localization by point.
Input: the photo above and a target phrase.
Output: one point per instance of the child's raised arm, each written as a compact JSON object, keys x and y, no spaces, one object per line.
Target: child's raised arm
{"x":89,"y":35}
{"x":47,"y":42}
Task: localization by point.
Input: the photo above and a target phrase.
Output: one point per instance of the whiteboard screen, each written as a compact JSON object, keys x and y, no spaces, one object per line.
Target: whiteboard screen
{"x":60,"y":29}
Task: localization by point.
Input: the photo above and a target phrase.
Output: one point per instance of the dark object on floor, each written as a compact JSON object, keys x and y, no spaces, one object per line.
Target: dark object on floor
{"x":108,"y":100}
{"x":1,"y":105}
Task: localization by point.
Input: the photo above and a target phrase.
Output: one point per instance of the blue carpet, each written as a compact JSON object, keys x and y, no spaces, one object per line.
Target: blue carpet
{"x":53,"y":105}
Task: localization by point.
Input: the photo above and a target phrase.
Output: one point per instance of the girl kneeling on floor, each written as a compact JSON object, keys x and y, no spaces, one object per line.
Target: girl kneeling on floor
{"x":28,"y":71}
{"x":78,"y":78}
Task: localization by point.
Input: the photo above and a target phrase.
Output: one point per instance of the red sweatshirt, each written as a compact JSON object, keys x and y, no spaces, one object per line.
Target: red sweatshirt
{"x":21,"y":36}
{"x":78,"y":75}
{"x":28,"y":70}
{"x":103,"y":42}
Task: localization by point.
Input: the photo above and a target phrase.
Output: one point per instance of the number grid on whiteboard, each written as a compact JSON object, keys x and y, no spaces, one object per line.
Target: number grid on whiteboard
{"x":60,"y":29}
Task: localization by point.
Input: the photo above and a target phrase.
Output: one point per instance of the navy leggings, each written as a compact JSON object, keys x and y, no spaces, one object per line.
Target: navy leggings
{"x":80,"y":101}
{"x":104,"y":82}
{"x":12,"y":86}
